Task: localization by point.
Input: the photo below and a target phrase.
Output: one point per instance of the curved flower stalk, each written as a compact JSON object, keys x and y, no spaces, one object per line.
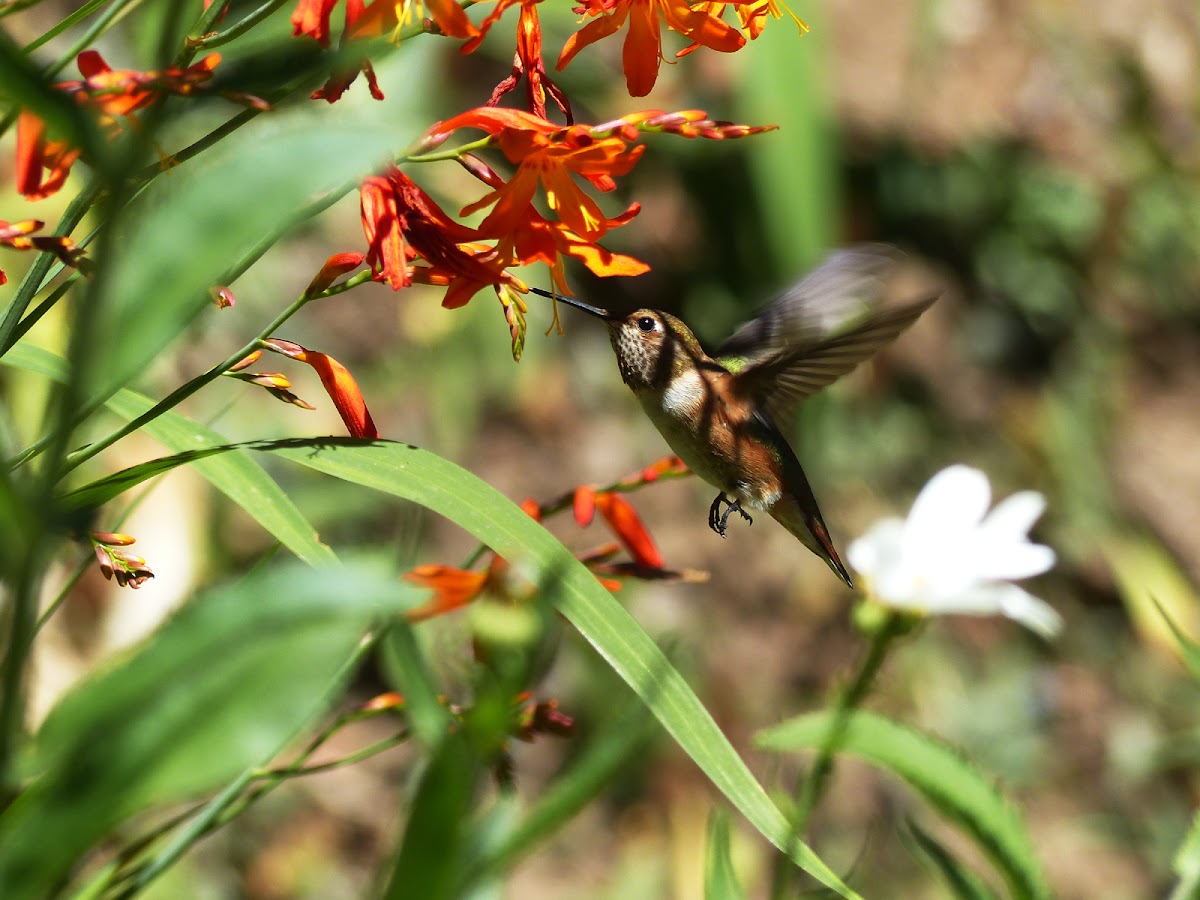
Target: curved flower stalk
{"x":953,"y":555}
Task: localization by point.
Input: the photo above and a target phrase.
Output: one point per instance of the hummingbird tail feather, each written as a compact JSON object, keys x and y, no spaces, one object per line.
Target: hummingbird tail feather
{"x":807,"y":525}
{"x":828,"y":552}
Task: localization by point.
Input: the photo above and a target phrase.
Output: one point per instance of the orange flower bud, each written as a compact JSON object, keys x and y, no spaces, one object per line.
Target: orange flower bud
{"x":625,"y":523}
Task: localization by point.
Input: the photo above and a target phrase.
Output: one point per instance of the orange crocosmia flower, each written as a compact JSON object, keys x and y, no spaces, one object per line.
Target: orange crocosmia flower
{"x":343,"y":390}
{"x":584,"y":505}
{"x":20,"y":236}
{"x":625,"y":523}
{"x":401,"y":222}
{"x":446,"y":14}
{"x":752,"y":15}
{"x":311,"y":18}
{"x":119,"y":92}
{"x":527,"y":61}
{"x":642,"y":50}
{"x":335,"y":267}
{"x":549,"y":155}
{"x":537,"y":239}
{"x":42,"y":166}
{"x":452,"y":589}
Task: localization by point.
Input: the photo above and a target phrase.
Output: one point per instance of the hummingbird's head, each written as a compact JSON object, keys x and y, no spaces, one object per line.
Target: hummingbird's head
{"x":651,"y":345}
{"x":644,"y":342}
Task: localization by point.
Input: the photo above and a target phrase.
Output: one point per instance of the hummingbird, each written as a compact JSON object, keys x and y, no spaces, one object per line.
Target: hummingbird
{"x":721,"y":413}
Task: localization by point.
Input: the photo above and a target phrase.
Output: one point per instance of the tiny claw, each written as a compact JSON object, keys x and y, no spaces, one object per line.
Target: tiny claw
{"x":735,"y":505}
{"x":719,"y":522}
{"x":714,"y":516}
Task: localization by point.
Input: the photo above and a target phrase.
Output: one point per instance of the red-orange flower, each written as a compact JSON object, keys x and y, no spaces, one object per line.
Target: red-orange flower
{"x":625,"y":523}
{"x":311,"y":18}
{"x":527,"y":61}
{"x":642,"y":51}
{"x":20,"y":236}
{"x":41,"y":166}
{"x":129,"y":569}
{"x":452,"y":589}
{"x":119,"y":92}
{"x":536,"y":239}
{"x":335,"y":267}
{"x":343,"y":390}
{"x":752,"y":15}
{"x":402,"y":222}
{"x":549,"y":155}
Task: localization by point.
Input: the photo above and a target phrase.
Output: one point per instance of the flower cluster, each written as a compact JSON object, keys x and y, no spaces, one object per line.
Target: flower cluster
{"x":129,"y":570}
{"x":453,"y":588}
{"x":42,"y":165}
{"x":20,"y":236}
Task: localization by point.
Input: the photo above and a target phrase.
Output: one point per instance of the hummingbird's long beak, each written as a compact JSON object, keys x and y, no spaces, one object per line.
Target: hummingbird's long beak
{"x":578,"y":304}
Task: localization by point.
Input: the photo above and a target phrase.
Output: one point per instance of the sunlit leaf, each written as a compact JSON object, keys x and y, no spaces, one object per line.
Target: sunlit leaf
{"x":424,"y":478}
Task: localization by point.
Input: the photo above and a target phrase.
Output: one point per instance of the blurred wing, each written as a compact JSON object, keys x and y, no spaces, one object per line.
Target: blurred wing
{"x":781,"y":382}
{"x":840,"y":291}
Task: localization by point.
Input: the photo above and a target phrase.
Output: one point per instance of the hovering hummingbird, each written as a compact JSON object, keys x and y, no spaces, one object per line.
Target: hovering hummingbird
{"x":719,"y":413}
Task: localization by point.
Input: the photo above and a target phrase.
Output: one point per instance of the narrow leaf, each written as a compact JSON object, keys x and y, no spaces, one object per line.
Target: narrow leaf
{"x":952,"y":784}
{"x":409,"y":472}
{"x":474,"y":505}
{"x":431,"y":854}
{"x":962,"y":882}
{"x":720,"y":881}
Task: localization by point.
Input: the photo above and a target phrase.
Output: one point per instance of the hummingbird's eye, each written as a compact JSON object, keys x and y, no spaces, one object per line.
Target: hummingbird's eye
{"x":646,"y":323}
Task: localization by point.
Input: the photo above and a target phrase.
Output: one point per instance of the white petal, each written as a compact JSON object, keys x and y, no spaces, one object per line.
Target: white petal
{"x":1015,"y":515}
{"x":997,"y":562}
{"x":878,"y":548}
{"x":1006,"y":600}
{"x":951,"y":504}
{"x":973,"y":600}
{"x":1036,"y":615}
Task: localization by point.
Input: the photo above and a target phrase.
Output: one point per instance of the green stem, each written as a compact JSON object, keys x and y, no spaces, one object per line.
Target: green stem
{"x":239,"y":28}
{"x":812,"y":789}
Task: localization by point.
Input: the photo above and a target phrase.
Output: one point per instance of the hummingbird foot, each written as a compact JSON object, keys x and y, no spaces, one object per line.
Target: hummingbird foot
{"x":718,"y":521}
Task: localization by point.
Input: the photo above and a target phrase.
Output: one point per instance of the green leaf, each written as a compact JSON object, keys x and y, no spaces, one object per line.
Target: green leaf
{"x":221,"y":687}
{"x":428,"y":717}
{"x":1188,"y":648}
{"x":720,"y":881}
{"x":237,"y":475}
{"x":414,"y":474}
{"x":194,"y":220}
{"x":451,"y":491}
{"x":952,"y":784}
{"x":1187,"y":864}
{"x":962,"y":882}
{"x":431,"y":855}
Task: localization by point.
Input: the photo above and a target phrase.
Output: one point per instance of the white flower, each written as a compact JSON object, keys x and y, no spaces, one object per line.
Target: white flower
{"x":953,"y":556}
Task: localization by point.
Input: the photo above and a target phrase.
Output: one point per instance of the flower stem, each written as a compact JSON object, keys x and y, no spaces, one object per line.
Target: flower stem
{"x":812,"y":789}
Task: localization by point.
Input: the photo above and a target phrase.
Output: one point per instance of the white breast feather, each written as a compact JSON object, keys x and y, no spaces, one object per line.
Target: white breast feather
{"x":683,"y":393}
